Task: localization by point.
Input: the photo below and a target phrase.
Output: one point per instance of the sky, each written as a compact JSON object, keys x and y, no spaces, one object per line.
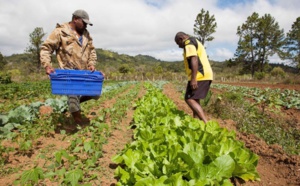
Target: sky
{"x":146,"y":27}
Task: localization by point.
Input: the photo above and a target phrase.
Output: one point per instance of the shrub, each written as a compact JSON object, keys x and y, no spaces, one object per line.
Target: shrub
{"x":5,"y":78}
{"x":14,"y":72}
{"x":291,"y":80}
{"x":278,"y":72}
{"x":259,"y":75}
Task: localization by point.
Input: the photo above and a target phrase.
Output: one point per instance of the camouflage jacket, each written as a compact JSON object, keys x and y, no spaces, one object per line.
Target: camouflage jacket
{"x":69,"y":52}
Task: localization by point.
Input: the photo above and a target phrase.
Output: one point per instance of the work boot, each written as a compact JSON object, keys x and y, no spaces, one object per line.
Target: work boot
{"x":70,"y":128}
{"x":83,"y":122}
{"x":77,"y":117}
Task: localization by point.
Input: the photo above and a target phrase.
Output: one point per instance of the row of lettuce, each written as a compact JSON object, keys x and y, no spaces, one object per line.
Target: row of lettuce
{"x":171,"y":148}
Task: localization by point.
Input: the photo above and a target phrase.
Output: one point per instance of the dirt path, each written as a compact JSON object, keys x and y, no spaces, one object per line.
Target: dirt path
{"x":44,"y":145}
{"x":274,"y":166}
{"x":116,"y":142}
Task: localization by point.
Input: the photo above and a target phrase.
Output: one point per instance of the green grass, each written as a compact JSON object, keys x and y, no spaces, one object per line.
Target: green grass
{"x":251,"y":120}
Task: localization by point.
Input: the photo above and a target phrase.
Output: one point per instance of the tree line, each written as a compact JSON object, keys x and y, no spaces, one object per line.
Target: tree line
{"x":259,"y":38}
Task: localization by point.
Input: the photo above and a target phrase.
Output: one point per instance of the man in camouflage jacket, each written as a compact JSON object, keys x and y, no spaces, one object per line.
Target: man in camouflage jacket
{"x":74,"y":50}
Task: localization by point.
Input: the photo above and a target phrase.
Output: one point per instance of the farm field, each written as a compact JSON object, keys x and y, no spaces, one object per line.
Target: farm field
{"x":47,"y":153}
{"x":265,"y":85}
{"x":275,"y":167}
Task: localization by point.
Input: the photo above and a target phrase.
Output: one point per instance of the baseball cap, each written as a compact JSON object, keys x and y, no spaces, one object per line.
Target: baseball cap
{"x":83,"y":15}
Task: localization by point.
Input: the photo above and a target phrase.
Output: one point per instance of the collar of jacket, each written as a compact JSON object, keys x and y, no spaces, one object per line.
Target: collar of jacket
{"x":67,"y":30}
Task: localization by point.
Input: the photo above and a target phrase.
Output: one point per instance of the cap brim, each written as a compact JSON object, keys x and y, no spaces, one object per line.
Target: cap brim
{"x":87,"y":22}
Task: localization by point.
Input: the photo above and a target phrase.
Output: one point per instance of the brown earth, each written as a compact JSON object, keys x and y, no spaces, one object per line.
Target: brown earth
{"x":274,"y":166}
{"x":116,"y":143}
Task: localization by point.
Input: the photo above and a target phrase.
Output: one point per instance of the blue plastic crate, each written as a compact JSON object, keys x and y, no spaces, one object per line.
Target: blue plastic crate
{"x":76,"y":82}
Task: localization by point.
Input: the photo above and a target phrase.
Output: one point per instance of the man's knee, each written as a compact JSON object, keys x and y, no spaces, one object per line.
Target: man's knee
{"x":188,"y":101}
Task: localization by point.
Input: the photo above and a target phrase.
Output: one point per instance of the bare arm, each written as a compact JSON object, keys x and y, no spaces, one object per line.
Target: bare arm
{"x":194,"y":68}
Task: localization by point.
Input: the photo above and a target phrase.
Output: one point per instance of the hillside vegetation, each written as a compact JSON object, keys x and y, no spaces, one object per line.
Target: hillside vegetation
{"x":19,"y":67}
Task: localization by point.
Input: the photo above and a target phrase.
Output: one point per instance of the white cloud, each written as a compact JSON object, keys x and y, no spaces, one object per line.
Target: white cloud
{"x":138,"y":26}
{"x":222,"y":53}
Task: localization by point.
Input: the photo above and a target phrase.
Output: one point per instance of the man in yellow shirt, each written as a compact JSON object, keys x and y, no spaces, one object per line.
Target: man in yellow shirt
{"x":199,"y":72}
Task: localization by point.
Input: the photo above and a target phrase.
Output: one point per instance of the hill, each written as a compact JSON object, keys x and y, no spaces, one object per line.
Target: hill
{"x":114,"y":65}
{"x":110,"y":61}
{"x":122,"y":66}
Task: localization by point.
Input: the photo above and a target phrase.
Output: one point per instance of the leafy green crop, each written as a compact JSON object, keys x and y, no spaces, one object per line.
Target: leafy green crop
{"x":267,"y":97}
{"x":28,"y":114}
{"x":31,"y":176}
{"x":171,"y":148}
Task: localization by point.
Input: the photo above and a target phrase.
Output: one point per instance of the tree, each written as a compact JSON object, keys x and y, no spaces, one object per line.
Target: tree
{"x":158,"y":69}
{"x":293,"y":43}
{"x":259,"y":38}
{"x":205,"y":25}
{"x":229,"y":63}
{"x":245,"y":51}
{"x":2,"y":61}
{"x":270,"y":39}
{"x":124,"y":69}
{"x":35,"y":39}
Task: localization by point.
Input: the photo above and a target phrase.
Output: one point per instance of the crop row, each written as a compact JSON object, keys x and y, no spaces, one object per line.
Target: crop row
{"x":77,"y":163}
{"x":171,"y":148}
{"x":271,"y":97}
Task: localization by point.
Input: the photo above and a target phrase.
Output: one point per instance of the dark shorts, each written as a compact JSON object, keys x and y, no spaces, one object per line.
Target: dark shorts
{"x":74,"y":101}
{"x":200,"y":92}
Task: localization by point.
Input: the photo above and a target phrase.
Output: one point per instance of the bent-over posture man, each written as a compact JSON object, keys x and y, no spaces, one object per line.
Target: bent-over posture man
{"x":199,"y":72}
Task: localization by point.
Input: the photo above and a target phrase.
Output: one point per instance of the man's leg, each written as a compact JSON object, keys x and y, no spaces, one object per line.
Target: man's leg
{"x":195,"y":115}
{"x":197,"y":109}
{"x":74,"y":108}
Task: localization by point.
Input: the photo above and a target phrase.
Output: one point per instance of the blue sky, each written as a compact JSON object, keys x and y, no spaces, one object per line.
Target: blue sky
{"x":140,"y":26}
{"x":229,"y":3}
